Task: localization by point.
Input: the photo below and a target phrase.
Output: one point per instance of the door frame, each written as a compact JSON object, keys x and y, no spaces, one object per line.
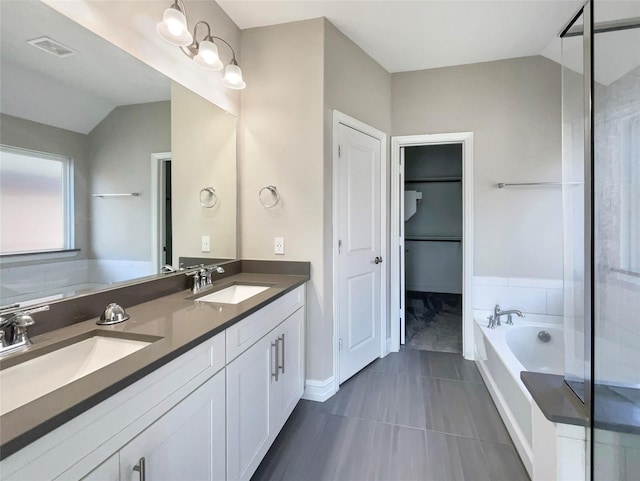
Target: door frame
{"x":341,"y":118}
{"x":157,"y":206}
{"x":397,"y":233}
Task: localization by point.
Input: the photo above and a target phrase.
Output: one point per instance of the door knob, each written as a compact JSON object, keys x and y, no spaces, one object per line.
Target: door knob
{"x":377,"y":260}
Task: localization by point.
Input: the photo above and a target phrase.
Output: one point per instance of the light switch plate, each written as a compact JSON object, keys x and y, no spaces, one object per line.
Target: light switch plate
{"x":206,"y":243}
{"x":278,"y":246}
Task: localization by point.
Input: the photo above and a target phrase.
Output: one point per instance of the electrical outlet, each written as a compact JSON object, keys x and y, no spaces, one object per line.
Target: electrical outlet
{"x":206,"y":243}
{"x":278,"y":246}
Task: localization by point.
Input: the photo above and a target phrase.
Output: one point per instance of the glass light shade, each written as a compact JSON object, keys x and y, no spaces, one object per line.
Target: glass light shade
{"x":233,"y":77}
{"x":173,"y":28}
{"x":207,"y":57}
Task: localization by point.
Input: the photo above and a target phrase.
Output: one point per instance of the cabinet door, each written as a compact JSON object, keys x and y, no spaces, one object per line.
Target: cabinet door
{"x":107,"y":471}
{"x":290,"y":363}
{"x":248,"y":399}
{"x":188,"y":442}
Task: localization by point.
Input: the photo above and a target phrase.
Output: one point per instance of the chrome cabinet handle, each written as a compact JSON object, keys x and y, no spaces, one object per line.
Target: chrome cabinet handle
{"x":141,"y":468}
{"x":282,"y":339}
{"x":377,"y":260}
{"x":275,"y":345}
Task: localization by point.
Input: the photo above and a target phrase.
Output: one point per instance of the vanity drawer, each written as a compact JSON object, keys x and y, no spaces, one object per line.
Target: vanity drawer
{"x":248,"y":331}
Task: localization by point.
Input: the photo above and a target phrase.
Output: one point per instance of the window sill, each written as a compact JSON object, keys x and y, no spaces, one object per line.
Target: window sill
{"x":37,"y":256}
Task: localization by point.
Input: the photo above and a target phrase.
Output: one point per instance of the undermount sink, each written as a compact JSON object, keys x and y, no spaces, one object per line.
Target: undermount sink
{"x":233,"y":294}
{"x":31,"y":379}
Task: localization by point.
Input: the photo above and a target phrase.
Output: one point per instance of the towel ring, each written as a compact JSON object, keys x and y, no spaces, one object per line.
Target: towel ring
{"x":208,"y":197}
{"x":274,"y":194}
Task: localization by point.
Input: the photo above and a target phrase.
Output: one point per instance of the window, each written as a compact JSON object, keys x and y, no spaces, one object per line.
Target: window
{"x":630,"y":196}
{"x":36,"y":200}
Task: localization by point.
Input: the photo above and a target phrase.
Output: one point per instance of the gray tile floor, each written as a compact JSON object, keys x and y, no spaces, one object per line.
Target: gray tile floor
{"x":414,"y":415}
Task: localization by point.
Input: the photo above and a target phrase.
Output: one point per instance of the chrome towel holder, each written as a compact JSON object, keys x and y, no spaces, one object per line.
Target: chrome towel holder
{"x":274,"y":194}
{"x":208,"y":197}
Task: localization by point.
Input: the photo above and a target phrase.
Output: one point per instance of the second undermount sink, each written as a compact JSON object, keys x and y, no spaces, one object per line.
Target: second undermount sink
{"x":33,"y":378}
{"x":233,"y":294}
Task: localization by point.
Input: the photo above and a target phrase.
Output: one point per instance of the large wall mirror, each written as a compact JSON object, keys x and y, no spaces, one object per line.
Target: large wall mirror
{"x":108,"y":169}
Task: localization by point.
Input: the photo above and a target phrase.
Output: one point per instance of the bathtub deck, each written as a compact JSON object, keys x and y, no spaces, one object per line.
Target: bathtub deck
{"x":414,"y":415}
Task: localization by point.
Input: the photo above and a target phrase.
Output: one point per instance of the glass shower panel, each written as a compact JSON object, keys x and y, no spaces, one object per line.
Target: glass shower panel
{"x":616,"y":350}
{"x":573,"y":207}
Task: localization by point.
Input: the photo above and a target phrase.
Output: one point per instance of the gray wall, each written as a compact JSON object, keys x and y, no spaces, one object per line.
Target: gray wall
{"x":281,"y":121}
{"x":286,"y":141}
{"x":514,"y":109}
{"x":120,"y":151}
{"x":203,"y":147}
{"x":358,"y":86}
{"x":30,"y":135}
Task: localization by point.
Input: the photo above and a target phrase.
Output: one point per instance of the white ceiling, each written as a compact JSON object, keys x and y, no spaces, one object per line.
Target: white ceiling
{"x":75,"y":92}
{"x":414,"y":35}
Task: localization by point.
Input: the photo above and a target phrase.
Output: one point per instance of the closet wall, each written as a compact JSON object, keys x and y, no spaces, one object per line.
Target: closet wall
{"x":433,"y":218}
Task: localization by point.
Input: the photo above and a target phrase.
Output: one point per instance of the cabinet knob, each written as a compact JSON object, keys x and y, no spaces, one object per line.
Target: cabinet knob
{"x":141,"y":468}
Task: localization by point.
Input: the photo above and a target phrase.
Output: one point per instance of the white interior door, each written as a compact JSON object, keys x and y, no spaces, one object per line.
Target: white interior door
{"x":401,"y":294}
{"x":360,"y":253}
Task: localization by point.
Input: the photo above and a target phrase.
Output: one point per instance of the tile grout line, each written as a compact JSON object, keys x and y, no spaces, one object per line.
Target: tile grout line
{"x":375,"y":421}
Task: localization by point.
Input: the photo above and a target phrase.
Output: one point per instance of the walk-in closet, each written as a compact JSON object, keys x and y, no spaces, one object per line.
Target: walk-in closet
{"x":433,"y":246}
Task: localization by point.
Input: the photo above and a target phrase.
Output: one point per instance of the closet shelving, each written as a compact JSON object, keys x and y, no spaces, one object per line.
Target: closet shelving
{"x":433,"y":179}
{"x":433,"y":238}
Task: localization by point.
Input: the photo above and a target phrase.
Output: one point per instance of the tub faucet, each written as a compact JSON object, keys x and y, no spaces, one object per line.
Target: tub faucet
{"x":494,"y":319}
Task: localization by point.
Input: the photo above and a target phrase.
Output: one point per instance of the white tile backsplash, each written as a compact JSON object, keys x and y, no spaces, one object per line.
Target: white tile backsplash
{"x":539,"y":298}
{"x":525,"y":299}
{"x":540,"y":283}
{"x":490,"y":281}
{"x":555,"y":302}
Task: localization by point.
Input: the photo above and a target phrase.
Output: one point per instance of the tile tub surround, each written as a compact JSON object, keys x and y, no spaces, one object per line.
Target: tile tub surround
{"x":181,"y":323}
{"x":413,"y":415}
{"x":540,"y":299}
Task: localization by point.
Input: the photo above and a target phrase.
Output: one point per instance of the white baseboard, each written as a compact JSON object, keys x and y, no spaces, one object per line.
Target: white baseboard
{"x":318,"y":390}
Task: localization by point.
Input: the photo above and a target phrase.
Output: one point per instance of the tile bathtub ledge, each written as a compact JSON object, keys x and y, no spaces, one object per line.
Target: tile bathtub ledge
{"x":617,"y":409}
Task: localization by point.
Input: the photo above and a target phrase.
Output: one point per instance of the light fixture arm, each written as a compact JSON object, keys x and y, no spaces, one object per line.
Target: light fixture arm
{"x":233,"y":53}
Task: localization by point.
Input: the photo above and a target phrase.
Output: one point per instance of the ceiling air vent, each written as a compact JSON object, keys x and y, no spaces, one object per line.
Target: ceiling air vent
{"x":52,"y":46}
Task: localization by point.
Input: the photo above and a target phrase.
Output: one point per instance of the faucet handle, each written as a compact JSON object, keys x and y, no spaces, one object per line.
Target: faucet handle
{"x":491,"y":324}
{"x":24,"y":320}
{"x":36,"y":309}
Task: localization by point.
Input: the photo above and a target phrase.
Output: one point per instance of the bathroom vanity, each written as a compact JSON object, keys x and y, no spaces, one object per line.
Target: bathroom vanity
{"x":205,"y":399}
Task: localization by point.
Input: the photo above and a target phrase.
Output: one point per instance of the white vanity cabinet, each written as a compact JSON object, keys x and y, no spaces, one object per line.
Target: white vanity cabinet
{"x":264,"y":384}
{"x":210,"y":414}
{"x":188,"y":442}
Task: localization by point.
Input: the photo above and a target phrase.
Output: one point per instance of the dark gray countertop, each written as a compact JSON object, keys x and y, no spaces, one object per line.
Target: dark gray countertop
{"x":182,"y":324}
{"x":555,"y":399}
{"x":615,"y":408}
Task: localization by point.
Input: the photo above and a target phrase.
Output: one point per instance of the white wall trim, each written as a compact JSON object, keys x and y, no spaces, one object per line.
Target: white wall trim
{"x":397,"y":234}
{"x":340,"y":118}
{"x":319,"y":391}
{"x":156,"y":206}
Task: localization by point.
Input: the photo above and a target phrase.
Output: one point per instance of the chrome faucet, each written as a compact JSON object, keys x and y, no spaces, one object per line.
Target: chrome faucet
{"x":196,"y":281}
{"x":494,"y":319}
{"x":16,"y":326}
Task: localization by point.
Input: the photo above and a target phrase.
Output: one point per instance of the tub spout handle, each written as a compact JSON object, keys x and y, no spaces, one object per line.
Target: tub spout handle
{"x":492,"y":322}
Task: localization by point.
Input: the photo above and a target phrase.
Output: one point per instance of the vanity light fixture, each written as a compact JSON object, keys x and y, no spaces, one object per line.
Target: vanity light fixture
{"x":174,"y":29}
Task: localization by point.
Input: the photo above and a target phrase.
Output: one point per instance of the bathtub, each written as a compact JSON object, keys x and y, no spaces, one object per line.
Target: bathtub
{"x":501,"y":354}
